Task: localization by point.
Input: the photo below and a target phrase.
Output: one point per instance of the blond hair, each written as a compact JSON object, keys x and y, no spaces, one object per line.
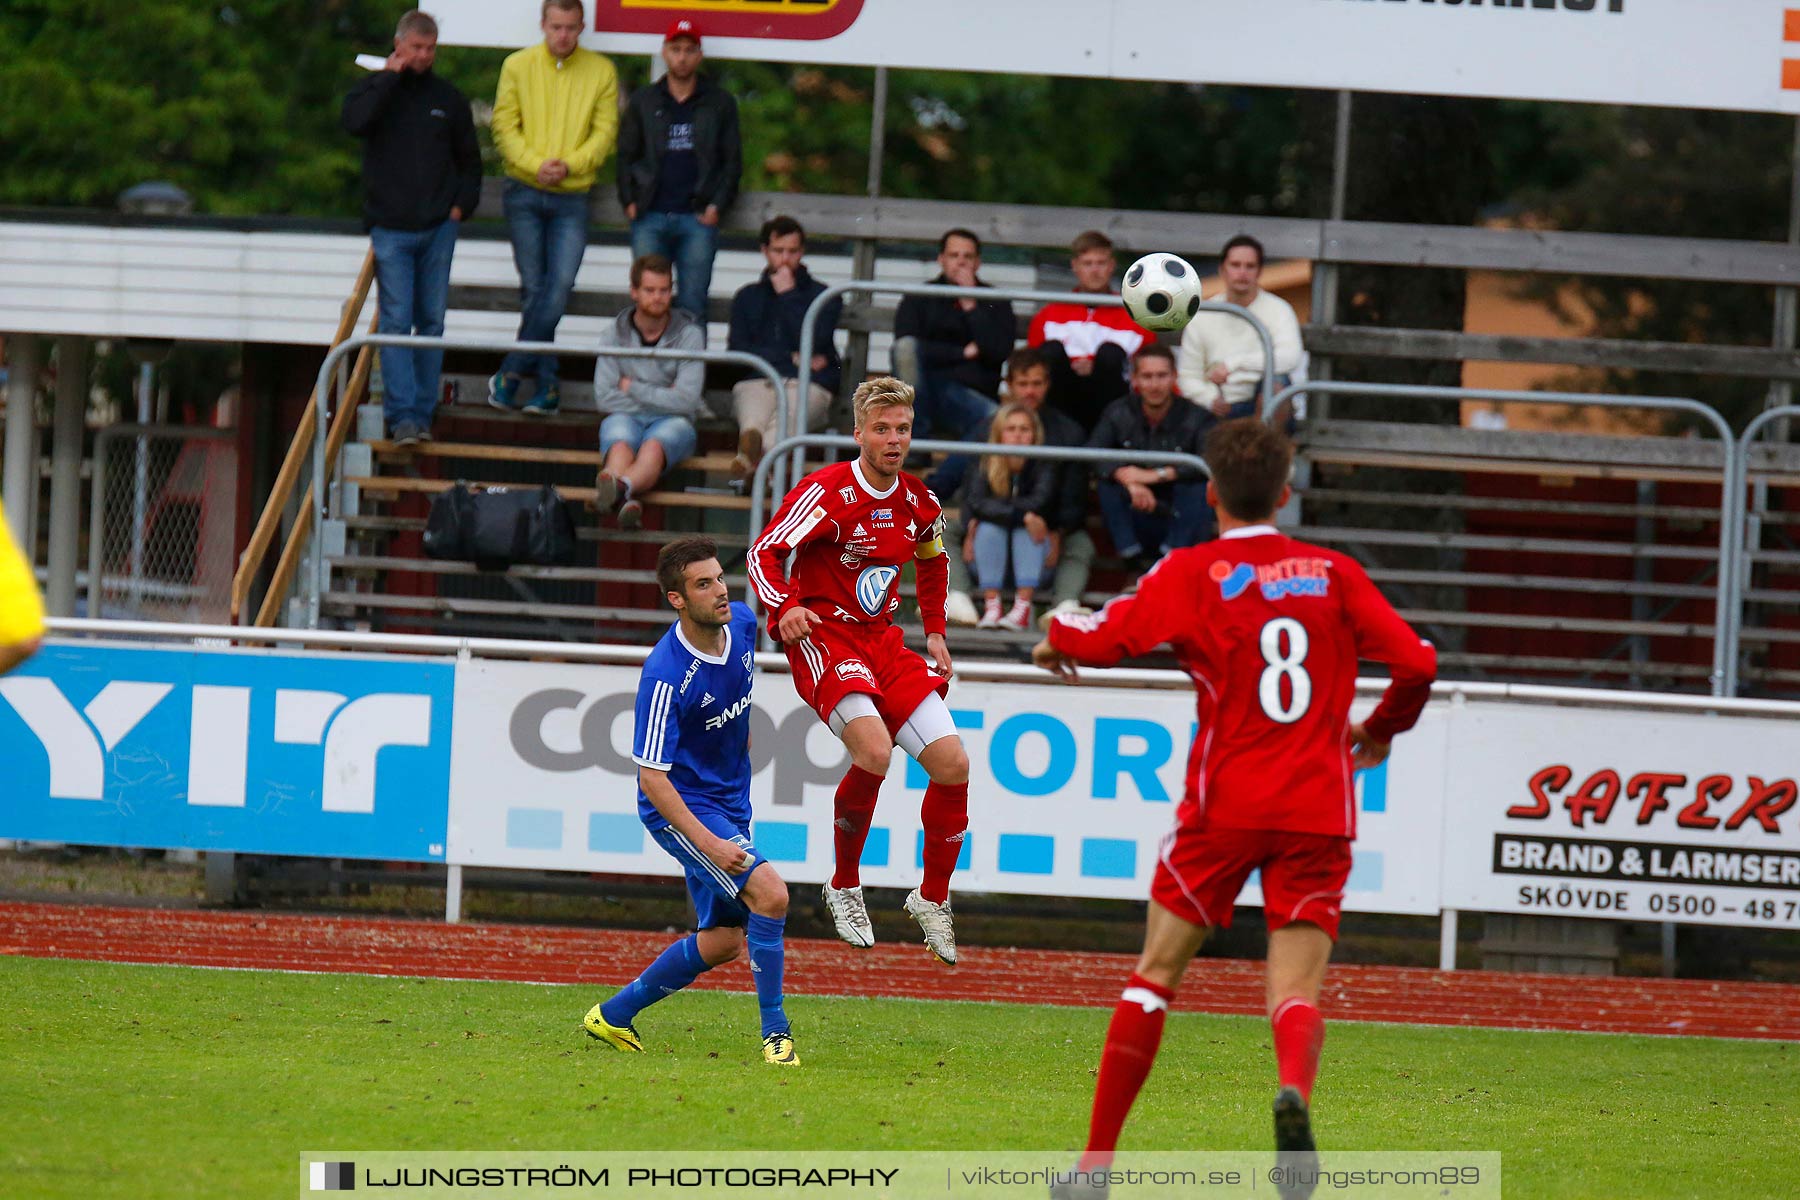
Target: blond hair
{"x":999,"y":473}
{"x":883,"y":391}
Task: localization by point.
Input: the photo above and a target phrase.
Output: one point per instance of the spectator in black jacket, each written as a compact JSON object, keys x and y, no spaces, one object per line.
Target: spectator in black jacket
{"x":950,"y":351}
{"x":765,"y":321}
{"x":421,"y":178}
{"x":1007,"y":501}
{"x":679,"y":161}
{"x":1150,"y":511}
{"x":1069,"y":554}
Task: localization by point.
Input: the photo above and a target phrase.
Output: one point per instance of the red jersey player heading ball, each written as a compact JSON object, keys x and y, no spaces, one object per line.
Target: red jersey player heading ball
{"x":851,"y":527}
{"x":1270,"y":629}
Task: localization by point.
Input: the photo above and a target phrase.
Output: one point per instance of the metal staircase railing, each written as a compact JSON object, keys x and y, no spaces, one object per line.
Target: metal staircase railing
{"x":250,"y":564}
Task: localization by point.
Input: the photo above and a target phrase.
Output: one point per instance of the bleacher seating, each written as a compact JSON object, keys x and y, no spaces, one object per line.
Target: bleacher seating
{"x":1538,"y":557}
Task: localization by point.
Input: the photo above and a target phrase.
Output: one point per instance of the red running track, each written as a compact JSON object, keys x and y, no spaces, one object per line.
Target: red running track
{"x":543,"y":954}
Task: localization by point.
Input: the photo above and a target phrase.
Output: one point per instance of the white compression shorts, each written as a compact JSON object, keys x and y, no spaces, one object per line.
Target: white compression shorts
{"x":928,"y":722}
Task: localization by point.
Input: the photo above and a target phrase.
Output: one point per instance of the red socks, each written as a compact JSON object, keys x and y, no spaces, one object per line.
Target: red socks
{"x":1299,"y":1036}
{"x":854,"y":807}
{"x":1131,"y":1042}
{"x":945,"y":816}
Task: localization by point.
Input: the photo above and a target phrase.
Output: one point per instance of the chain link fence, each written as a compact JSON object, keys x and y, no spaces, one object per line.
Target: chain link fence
{"x":162,"y":524}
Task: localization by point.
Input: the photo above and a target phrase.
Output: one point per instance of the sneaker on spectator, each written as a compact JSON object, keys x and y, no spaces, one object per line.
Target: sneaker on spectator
{"x":606,"y":492}
{"x":1017,"y":617}
{"x":503,"y":391}
{"x":544,"y":402}
{"x":990,"y":614}
{"x":749,"y":453}
{"x":407,"y":434}
{"x":631,"y":515}
{"x":960,"y":610}
{"x":1065,"y":608}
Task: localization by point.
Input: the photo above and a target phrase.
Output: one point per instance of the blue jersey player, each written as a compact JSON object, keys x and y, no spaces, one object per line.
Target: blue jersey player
{"x":692,"y":747}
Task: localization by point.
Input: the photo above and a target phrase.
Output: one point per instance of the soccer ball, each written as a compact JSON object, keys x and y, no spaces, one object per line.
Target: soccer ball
{"x":1162,"y":291}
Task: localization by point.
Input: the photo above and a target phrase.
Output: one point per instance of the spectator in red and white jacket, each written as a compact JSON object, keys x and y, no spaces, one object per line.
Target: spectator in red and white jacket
{"x":1088,"y":348}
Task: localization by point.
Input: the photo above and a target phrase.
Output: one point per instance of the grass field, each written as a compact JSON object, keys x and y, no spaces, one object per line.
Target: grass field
{"x":167,"y":1081}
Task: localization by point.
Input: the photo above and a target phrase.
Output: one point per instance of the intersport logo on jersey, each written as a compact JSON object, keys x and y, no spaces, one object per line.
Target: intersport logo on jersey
{"x":237,"y":750}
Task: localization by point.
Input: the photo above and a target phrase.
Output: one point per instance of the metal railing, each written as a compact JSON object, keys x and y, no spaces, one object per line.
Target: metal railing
{"x":335,"y":357}
{"x":1742,"y":552}
{"x":164,"y":560}
{"x":288,"y":477}
{"x":809,"y":327}
{"x":1731,"y":482}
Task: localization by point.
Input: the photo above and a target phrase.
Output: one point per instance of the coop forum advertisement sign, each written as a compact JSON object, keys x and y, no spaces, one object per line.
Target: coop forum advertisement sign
{"x":1723,"y":54}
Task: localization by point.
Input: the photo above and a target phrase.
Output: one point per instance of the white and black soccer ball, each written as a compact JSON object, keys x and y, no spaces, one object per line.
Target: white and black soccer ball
{"x":1162,"y":291}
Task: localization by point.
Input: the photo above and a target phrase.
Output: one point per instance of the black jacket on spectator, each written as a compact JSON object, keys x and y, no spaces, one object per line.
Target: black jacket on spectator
{"x":943,"y":329}
{"x":1032,"y":492}
{"x":1182,"y":430}
{"x":766,"y":323}
{"x":1069,"y":506}
{"x":644,"y":131}
{"x":420,"y":157}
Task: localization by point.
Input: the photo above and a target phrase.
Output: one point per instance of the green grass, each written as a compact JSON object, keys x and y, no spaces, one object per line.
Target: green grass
{"x":168,"y":1081}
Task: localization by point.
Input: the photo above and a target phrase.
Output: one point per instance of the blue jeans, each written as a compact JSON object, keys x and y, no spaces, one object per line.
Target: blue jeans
{"x":549,"y":235}
{"x":992,"y":542}
{"x":942,"y":406}
{"x":1183,"y":521}
{"x":412,"y":269}
{"x":676,"y":434}
{"x":686,"y":241}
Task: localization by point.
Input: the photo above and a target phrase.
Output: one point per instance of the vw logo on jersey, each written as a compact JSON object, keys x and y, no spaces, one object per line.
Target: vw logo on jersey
{"x":872,"y":588}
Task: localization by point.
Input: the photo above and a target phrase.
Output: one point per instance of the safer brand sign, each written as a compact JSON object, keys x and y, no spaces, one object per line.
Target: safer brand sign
{"x":238,"y":750}
{"x":1634,"y":816}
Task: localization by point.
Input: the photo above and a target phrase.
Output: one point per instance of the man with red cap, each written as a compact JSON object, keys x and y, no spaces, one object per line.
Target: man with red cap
{"x":679,"y":162}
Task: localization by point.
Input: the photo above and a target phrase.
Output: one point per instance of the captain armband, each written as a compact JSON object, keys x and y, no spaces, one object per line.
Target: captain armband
{"x":932,"y":544}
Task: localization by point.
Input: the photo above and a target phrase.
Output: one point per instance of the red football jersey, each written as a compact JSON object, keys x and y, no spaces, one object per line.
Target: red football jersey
{"x":849,"y":543}
{"x":1271,"y":630}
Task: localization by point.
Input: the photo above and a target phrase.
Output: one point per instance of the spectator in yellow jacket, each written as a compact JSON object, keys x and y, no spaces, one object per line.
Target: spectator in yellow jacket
{"x":21,"y":609}
{"x":556,"y":115}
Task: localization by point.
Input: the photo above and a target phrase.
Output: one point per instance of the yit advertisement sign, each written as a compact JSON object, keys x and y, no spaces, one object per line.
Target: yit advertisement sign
{"x":799,"y":20}
{"x":228,"y":749}
{"x":1070,"y":793}
{"x":1651,"y":816}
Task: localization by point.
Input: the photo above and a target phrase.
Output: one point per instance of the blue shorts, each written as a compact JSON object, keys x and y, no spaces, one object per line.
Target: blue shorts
{"x":713,"y":890}
{"x":676,"y":434}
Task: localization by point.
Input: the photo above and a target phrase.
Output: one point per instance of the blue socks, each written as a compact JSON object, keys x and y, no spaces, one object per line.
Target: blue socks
{"x":681,"y":964}
{"x":673,"y":970}
{"x":767,"y":956}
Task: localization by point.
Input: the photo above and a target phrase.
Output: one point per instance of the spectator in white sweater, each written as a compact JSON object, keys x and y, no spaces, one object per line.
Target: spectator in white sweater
{"x":1221,"y":356}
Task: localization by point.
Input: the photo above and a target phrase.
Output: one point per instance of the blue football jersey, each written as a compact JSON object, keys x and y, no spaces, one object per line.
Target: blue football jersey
{"x":693,"y":721}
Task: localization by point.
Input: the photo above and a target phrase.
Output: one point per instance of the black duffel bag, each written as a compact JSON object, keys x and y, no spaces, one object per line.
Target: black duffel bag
{"x":499,"y":527}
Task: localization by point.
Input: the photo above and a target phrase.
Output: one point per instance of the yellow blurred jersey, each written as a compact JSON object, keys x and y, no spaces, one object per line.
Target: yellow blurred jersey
{"x":21,"y":608}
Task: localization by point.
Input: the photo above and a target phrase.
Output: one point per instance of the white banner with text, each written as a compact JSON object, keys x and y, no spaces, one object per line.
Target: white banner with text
{"x":1070,"y":791}
{"x":1723,"y":54}
{"x":1634,"y":816}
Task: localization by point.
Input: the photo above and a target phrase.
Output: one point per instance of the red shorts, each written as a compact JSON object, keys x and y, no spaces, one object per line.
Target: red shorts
{"x":838,"y":658}
{"x":1303,"y":874}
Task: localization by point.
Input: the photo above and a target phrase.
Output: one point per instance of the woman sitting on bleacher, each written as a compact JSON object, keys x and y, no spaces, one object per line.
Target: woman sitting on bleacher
{"x":1004,"y":499}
